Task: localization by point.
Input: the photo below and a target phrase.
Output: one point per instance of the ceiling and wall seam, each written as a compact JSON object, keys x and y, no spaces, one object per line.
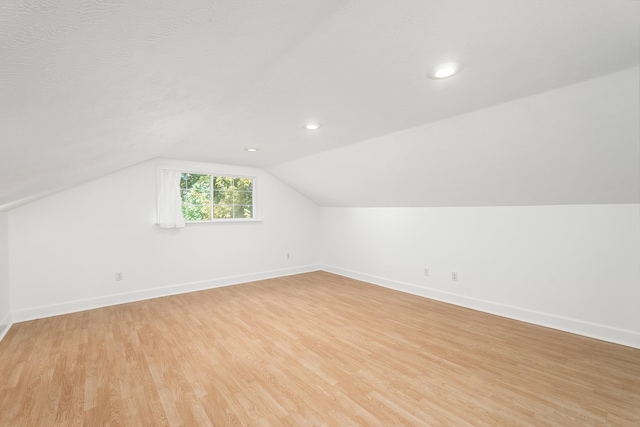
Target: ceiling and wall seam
{"x":90,"y":88}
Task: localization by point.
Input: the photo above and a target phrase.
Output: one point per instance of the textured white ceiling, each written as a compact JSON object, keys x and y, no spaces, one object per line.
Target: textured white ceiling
{"x":88,"y":87}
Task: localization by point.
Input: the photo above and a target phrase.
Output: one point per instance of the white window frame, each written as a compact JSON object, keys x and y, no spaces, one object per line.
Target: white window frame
{"x":254,"y":196}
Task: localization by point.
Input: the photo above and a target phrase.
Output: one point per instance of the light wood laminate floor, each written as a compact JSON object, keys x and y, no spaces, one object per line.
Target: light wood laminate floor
{"x":308,"y":350}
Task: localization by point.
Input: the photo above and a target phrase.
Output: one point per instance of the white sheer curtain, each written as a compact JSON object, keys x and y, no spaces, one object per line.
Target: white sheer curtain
{"x":169,"y":201}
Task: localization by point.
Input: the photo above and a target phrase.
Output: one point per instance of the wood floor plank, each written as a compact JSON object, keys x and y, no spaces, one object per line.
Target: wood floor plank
{"x":313,"y":349}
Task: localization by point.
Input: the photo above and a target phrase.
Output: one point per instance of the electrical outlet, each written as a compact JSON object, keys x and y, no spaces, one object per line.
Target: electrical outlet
{"x":426,"y":272}
{"x":454,"y":276}
{"x":119,"y":276}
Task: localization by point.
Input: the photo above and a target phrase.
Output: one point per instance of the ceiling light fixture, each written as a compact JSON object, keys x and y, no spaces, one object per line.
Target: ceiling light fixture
{"x":313,"y":126}
{"x":445,"y":70}
{"x":252,"y":150}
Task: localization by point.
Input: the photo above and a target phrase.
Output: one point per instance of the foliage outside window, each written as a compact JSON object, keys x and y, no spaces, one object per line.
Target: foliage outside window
{"x":210,"y":197}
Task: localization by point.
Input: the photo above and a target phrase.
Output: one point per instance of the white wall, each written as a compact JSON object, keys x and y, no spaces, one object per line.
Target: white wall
{"x":5,"y":312}
{"x":575,"y":268}
{"x":542,"y":217}
{"x":66,"y":248}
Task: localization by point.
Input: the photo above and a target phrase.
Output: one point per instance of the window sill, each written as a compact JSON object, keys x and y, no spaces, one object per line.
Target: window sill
{"x":224,"y":221}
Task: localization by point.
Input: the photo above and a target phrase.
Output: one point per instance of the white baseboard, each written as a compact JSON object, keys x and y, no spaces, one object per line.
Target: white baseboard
{"x":593,"y":330}
{"x":5,"y":325}
{"x":89,"y":304}
{"x":575,"y":326}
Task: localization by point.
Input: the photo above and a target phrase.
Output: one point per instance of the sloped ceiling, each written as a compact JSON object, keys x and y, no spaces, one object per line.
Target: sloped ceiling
{"x":88,"y":87}
{"x":579,"y":144}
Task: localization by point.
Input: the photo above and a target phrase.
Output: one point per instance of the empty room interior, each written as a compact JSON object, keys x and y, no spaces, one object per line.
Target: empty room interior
{"x":319,"y":213}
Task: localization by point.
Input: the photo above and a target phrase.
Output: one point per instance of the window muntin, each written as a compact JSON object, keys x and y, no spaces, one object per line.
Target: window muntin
{"x":208,"y":197}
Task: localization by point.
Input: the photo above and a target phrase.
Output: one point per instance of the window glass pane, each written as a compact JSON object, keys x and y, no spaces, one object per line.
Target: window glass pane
{"x":196,"y":197}
{"x":243,"y":212}
{"x":222,"y":211}
{"x":196,"y":212}
{"x":195,"y":191}
{"x":243,"y":184}
{"x":189,"y":180}
{"x":223,"y":197}
{"x":242,"y":198}
{"x":222,"y":183}
{"x":201,"y":185}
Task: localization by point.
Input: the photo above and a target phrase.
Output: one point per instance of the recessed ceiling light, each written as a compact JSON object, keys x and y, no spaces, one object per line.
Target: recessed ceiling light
{"x":313,"y":126}
{"x":252,"y":150}
{"x":445,"y":70}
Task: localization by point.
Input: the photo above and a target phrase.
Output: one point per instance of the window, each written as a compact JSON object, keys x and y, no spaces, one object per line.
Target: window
{"x":210,"y":197}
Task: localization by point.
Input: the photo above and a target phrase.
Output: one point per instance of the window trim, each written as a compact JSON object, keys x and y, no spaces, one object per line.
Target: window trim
{"x":254,"y":195}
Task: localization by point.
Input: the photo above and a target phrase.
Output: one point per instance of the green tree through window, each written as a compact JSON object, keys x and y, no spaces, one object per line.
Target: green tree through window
{"x":209,"y":197}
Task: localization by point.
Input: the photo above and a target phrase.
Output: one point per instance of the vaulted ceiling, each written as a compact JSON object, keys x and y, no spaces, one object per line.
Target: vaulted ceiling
{"x":88,"y":87}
